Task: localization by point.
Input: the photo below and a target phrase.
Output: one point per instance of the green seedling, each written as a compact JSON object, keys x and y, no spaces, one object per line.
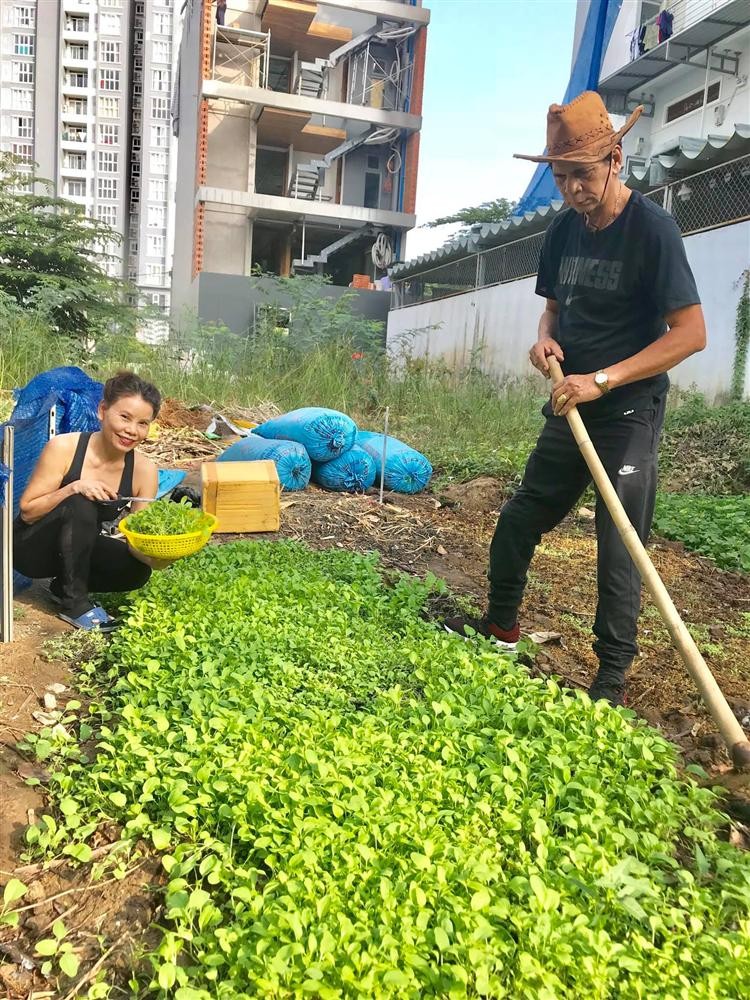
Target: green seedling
{"x":56,"y":951}
{"x":163,"y":517}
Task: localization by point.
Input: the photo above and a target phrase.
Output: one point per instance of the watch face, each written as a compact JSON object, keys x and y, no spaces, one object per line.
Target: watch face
{"x":600,"y":378}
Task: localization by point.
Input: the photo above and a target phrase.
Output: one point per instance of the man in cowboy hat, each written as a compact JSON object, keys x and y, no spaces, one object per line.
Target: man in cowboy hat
{"x":621,"y":310}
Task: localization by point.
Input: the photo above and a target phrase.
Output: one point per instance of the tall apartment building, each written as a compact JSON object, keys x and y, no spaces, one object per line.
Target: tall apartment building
{"x":85,"y":93}
{"x":298,"y":144}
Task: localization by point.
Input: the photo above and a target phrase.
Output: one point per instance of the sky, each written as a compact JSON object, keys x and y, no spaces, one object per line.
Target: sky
{"x":493,"y":68}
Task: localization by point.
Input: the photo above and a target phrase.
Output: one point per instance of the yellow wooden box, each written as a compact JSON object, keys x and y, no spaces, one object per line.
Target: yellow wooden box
{"x":244,"y":496}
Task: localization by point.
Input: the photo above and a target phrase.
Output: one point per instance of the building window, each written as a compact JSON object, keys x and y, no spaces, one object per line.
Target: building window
{"x":75,"y":106}
{"x":155,"y":274}
{"x":109,"y":135}
{"x":160,"y":108}
{"x":77,"y":24}
{"x":78,"y":80}
{"x":159,"y":135}
{"x":161,"y":52}
{"x":75,"y":189}
{"x":160,"y":79}
{"x":106,"y":188}
{"x":109,"y":24}
{"x":157,"y":216}
{"x":23,"y":126}
{"x":110,"y":3}
{"x":109,"y":52}
{"x":22,"y":100}
{"x":79,"y":52}
{"x":109,"y":79}
{"x":157,"y":190}
{"x":107,"y":162}
{"x":23,"y":16}
{"x":23,"y":45}
{"x":158,"y":163}
{"x":693,"y":102}
{"x":155,"y":246}
{"x":108,"y":107}
{"x":23,"y":150}
{"x":162,"y":24}
{"x":74,"y":161}
{"x":22,"y":72}
{"x":107,"y":214}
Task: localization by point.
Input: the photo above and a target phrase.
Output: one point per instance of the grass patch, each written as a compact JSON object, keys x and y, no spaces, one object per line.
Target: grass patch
{"x":350,"y":802}
{"x":718,"y":527}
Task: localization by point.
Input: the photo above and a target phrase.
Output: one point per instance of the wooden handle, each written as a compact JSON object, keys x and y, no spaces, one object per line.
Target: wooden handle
{"x":730,"y":729}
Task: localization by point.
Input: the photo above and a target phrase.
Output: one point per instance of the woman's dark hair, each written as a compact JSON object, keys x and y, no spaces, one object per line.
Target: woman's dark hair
{"x":129,"y":384}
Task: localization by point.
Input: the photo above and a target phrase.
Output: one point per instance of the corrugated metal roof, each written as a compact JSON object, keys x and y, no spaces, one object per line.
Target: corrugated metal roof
{"x":689,"y":156}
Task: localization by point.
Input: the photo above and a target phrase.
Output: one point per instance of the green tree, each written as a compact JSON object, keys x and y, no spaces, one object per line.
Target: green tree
{"x":52,"y":258}
{"x":489,"y":211}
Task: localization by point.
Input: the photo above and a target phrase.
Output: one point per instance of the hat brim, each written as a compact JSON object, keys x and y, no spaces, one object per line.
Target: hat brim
{"x":588,"y":154}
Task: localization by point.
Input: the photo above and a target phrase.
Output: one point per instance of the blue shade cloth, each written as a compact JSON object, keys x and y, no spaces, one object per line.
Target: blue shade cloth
{"x":168,"y":480}
{"x":406,"y":469}
{"x":75,"y":397}
{"x":291,"y":460}
{"x":324,"y":433}
{"x":4,"y":476}
{"x":584,"y":75}
{"x":352,"y":472}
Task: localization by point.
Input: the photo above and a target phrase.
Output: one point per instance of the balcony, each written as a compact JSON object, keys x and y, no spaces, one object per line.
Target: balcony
{"x":76,"y":55}
{"x":289,"y":209}
{"x":697,"y":26}
{"x":75,"y":137}
{"x":75,"y":83}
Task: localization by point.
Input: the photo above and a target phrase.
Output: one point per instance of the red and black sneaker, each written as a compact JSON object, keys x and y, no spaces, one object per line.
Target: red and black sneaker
{"x":506,"y":638}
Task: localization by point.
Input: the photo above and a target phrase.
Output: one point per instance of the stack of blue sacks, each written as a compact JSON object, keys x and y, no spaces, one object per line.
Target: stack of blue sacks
{"x":326,"y":446}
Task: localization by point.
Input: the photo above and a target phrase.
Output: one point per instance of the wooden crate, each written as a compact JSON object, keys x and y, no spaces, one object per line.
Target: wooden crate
{"x":244,"y":496}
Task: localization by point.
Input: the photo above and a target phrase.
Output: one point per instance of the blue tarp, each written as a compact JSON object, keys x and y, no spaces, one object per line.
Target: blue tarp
{"x":597,"y":32}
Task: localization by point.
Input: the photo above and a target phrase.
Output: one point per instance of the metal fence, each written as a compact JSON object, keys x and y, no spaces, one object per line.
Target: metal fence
{"x":715,"y":197}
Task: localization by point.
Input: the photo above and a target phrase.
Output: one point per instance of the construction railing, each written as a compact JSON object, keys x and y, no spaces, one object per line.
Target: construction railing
{"x":719,"y":196}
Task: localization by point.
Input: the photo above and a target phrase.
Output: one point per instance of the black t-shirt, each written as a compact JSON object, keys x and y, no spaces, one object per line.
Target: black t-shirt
{"x":614,"y":288}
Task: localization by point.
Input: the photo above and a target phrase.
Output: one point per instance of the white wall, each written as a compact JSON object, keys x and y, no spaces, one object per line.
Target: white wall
{"x":617,"y":53}
{"x":499,"y":324}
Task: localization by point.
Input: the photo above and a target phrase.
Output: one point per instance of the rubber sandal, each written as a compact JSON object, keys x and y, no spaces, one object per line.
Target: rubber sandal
{"x":94,"y":618}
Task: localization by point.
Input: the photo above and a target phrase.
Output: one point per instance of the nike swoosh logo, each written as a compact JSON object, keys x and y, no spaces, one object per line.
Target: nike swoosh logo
{"x":572,"y":298}
{"x":627,"y":470}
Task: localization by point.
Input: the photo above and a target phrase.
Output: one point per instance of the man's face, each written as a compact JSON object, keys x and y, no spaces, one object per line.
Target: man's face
{"x":582,"y":184}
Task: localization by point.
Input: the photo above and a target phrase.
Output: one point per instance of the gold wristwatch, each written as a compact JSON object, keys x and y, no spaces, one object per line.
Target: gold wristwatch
{"x":601,"y":379}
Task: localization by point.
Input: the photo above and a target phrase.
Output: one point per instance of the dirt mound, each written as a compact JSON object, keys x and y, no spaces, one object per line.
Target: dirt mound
{"x":480,"y":496}
{"x":174,"y":414}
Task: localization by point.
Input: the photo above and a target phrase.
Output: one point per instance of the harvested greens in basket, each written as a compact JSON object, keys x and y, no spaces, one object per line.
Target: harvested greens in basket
{"x":164,"y":517}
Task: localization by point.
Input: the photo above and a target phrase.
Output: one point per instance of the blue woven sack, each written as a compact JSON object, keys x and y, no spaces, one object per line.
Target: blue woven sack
{"x":325,"y":434}
{"x":406,"y":469}
{"x":352,"y":472}
{"x":291,"y":460}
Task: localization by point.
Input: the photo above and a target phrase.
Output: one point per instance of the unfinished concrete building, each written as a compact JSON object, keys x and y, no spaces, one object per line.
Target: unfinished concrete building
{"x":298,"y":126}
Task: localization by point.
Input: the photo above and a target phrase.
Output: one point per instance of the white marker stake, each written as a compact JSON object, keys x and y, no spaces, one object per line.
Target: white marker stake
{"x":385,"y":448}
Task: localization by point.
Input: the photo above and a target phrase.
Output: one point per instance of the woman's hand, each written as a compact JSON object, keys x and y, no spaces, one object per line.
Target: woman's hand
{"x":93,"y":489}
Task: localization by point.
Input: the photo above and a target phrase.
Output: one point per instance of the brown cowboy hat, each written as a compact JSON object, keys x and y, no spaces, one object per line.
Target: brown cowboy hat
{"x":581,"y":131}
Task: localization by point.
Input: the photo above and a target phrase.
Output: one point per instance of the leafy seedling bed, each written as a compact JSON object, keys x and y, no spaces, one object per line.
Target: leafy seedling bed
{"x":348,"y":802}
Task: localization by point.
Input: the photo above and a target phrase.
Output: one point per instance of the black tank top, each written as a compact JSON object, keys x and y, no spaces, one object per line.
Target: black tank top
{"x":106,"y":511}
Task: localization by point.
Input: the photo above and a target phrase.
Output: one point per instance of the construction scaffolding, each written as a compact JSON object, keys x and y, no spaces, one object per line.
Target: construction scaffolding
{"x":240,"y":57}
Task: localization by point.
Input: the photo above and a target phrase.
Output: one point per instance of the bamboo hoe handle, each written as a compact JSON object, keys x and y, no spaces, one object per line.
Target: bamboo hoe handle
{"x":730,"y":729}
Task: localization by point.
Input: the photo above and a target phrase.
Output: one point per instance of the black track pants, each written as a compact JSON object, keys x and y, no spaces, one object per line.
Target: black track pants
{"x":67,"y":544}
{"x":555,"y":477}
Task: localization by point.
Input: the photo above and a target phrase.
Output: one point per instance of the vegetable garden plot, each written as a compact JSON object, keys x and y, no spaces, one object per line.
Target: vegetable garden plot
{"x":352,"y":803}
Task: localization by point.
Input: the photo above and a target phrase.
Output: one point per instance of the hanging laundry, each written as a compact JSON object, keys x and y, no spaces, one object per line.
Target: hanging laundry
{"x":651,"y":37}
{"x":642,"y":39}
{"x":665,"y":23}
{"x":634,"y":50}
